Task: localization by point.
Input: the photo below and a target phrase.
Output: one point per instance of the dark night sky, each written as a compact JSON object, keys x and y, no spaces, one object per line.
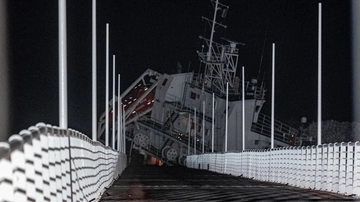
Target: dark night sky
{"x":157,"y":34}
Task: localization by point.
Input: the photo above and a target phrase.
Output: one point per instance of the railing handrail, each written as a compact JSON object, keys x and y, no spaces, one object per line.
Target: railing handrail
{"x":46,"y":163}
{"x":331,"y":167}
{"x":282,"y":131}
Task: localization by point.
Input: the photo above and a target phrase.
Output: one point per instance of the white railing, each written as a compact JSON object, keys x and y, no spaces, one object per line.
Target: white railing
{"x":330,"y":167}
{"x":45,"y":163}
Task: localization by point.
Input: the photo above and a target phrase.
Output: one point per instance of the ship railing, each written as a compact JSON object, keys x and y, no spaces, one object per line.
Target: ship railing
{"x":214,"y":58}
{"x":189,"y":109}
{"x":260,"y":93}
{"x":282,"y":132}
{"x":331,"y":167}
{"x":231,"y":50}
{"x":47,"y":163}
{"x":251,"y":90}
{"x":174,"y":133}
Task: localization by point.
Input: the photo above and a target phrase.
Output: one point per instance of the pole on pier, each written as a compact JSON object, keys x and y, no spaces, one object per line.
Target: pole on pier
{"x":195,"y":131}
{"x":113,"y":105}
{"x":319,"y":80}
{"x":243,"y":108}
{"x":272,"y":95}
{"x":212,"y":123}
{"x":124,"y":129}
{"x":119,"y":132}
{"x":226,"y":115}
{"x":355,"y":49}
{"x":203,"y":129}
{"x":4,"y":74}
{"x":94,"y":93}
{"x":63,"y":102}
{"x":107,"y":88}
{"x":189,"y":134}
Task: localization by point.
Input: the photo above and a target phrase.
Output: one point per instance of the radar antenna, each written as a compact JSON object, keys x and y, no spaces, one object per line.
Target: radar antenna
{"x":220,"y":60}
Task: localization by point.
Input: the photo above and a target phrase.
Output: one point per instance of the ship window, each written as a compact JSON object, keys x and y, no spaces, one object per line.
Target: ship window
{"x":164,"y":82}
{"x":256,"y":142}
{"x":257,"y":109}
{"x":193,"y":95}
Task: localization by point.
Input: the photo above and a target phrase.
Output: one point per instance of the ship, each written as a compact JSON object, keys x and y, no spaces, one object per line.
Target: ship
{"x":170,"y":116}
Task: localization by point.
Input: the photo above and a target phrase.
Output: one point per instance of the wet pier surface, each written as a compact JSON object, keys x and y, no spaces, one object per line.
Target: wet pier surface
{"x":153,"y":183}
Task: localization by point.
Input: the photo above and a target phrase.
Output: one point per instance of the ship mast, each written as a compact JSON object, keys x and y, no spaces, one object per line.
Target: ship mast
{"x":220,"y":60}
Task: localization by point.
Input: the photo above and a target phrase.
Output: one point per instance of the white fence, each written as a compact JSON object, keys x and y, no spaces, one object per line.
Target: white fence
{"x":45,"y":163}
{"x":331,"y":167}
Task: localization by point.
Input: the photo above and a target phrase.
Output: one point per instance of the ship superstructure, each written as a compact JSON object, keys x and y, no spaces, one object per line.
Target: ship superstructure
{"x":169,"y":116}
